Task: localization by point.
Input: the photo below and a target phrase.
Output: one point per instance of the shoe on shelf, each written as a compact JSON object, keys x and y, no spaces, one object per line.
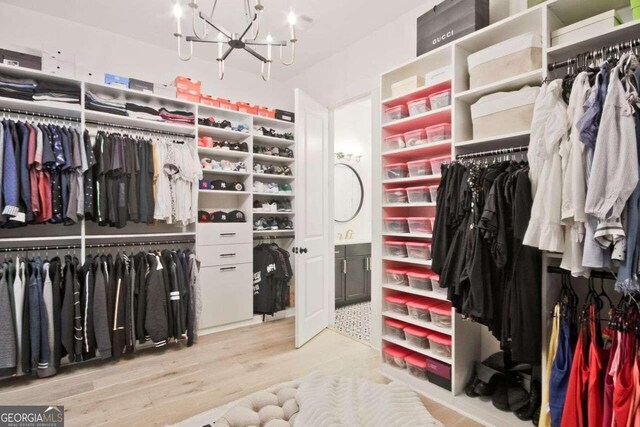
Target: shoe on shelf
{"x":286,"y":205}
{"x":286,"y":224}
{"x":257,"y":205}
{"x":272,"y":224}
{"x":285,"y":188}
{"x":287,"y":171}
{"x":272,"y":187}
{"x":288,"y":135}
{"x":258,"y":168}
{"x":260,"y":224}
{"x":258,"y":187}
{"x":272,"y":206}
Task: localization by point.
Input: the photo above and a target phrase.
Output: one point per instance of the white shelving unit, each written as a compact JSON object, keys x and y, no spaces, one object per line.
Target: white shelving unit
{"x":224,"y":307}
{"x":470,"y":341}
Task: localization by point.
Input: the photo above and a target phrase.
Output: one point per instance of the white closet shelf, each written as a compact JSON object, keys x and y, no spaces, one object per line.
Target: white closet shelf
{"x":136,"y":96}
{"x":424,"y":351}
{"x":274,"y":176}
{"x":430,"y":118}
{"x":261,"y":212}
{"x":225,"y":192}
{"x":272,"y":141}
{"x":139,"y":236}
{"x":39,"y":239}
{"x":273,"y":159}
{"x":407,"y":260}
{"x":478,"y":410}
{"x":409,"y":205}
{"x":28,"y":73}
{"x":420,"y":151}
{"x":223,"y":172}
{"x":532,"y":78}
{"x":269,"y":122}
{"x":408,"y":319}
{"x":572,"y":11}
{"x":409,"y":235}
{"x":421,"y":92}
{"x":45,"y":107}
{"x":409,"y":290}
{"x":273,"y":194}
{"x":222,"y":133}
{"x":223,"y":153}
{"x":209,"y":110}
{"x":259,"y":232}
{"x":494,"y":142}
{"x":130,"y":121}
{"x":616,"y":34}
{"x":413,"y":179}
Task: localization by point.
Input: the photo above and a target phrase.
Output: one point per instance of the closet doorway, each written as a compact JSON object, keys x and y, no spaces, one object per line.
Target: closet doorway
{"x":352,"y":185}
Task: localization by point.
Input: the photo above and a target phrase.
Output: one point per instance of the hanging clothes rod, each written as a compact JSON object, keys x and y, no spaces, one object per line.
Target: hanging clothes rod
{"x":594,"y":274}
{"x":35,"y":114}
{"x":96,"y":245}
{"x":601,"y":53}
{"x":494,"y":152}
{"x":141,"y":129}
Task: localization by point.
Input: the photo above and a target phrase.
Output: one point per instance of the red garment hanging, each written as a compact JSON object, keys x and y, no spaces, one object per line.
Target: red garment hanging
{"x":624,"y":384}
{"x":598,"y":360}
{"x":607,"y":407}
{"x":574,"y":413}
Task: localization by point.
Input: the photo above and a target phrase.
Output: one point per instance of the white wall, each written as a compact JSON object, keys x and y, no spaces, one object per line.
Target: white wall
{"x":352,"y":134}
{"x":356,"y":70}
{"x":103,"y":51}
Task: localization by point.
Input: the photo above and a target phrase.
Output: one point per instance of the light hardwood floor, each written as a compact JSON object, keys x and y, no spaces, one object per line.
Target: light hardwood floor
{"x":158,"y":387}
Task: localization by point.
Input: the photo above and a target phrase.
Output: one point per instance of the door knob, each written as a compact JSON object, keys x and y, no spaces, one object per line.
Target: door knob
{"x":303,"y":250}
{"x":295,"y":250}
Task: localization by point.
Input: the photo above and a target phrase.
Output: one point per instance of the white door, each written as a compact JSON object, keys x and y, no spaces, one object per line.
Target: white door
{"x":313,"y":248}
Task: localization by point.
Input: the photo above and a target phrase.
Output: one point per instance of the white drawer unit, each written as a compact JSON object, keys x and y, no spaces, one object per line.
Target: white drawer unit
{"x":224,"y":234}
{"x":225,"y":254}
{"x":227,"y":294}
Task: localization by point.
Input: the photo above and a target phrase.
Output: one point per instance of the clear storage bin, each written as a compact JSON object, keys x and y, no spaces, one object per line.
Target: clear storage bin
{"x":396,"y":113}
{"x":415,"y":137}
{"x":418,"y":106}
{"x":419,"y":309}
{"x":420,"y":279}
{"x":437,"y":162}
{"x":419,"y":225}
{"x":397,"y":277}
{"x":395,"y":328}
{"x":397,"y":249}
{"x":437,"y":133}
{"x":418,"y":194}
{"x":394,"y":142}
{"x":417,"y":337}
{"x":417,"y":365}
{"x":440,"y":99}
{"x":396,"y":225}
{"x":419,"y":250}
{"x":395,"y":355}
{"x":398,"y":303}
{"x":440,"y":344}
{"x":419,"y":167}
{"x":435,"y":284}
{"x":433,"y":192}
{"x":396,"y":195}
{"x":396,"y":170}
{"x":441,"y":315}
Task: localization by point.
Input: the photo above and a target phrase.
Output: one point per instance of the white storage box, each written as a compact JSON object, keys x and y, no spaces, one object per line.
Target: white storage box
{"x":501,"y":61}
{"x":440,"y":75}
{"x":407,"y":85}
{"x":598,"y":24}
{"x":503,"y":112}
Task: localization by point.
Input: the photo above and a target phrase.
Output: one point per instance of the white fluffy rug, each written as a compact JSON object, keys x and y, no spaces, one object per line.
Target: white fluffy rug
{"x":320,"y":400}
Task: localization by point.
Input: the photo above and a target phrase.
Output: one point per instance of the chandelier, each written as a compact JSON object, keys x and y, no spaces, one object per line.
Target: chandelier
{"x":228,"y":41}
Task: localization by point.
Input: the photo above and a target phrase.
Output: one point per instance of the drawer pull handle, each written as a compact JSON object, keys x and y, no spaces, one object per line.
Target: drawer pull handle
{"x":227,"y":269}
{"x":227,"y":234}
{"x":227,"y":255}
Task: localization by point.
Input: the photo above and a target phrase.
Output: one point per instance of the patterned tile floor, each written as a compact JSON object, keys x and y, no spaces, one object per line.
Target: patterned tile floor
{"x":355,"y":321}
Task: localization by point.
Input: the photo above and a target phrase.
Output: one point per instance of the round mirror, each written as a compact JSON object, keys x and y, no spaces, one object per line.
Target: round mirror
{"x":348,"y":193}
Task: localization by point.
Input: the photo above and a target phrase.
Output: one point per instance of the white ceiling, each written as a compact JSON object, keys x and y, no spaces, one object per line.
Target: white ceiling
{"x":336,"y":23}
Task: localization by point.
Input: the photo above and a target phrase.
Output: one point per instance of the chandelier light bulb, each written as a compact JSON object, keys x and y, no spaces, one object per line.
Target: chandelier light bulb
{"x":177,"y":11}
{"x":291,"y":18}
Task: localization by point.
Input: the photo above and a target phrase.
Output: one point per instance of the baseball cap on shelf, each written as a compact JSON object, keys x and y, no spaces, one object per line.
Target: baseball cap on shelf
{"x":218,"y":184}
{"x":236,"y":216}
{"x":219,"y":216}
{"x":204,"y":216}
{"x":205,"y":184}
{"x":237,"y":186}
